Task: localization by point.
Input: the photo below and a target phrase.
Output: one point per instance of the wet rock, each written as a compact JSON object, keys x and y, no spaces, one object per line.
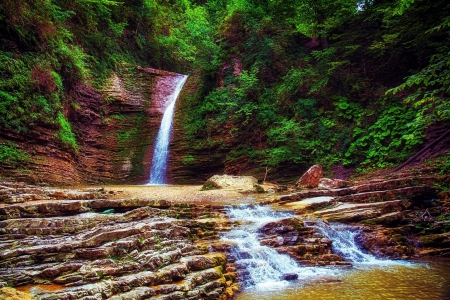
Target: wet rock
{"x":386,"y":242}
{"x":280,"y":227}
{"x":311,"y":177}
{"x":329,"y":257}
{"x":289,"y":276}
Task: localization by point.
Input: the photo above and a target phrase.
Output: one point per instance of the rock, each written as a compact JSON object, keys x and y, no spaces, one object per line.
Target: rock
{"x":328,"y":184}
{"x":8,"y":293}
{"x":138,"y":254}
{"x":311,"y":177}
{"x":289,"y":276}
{"x":202,"y":262}
{"x":241,"y":183}
{"x":311,"y":204}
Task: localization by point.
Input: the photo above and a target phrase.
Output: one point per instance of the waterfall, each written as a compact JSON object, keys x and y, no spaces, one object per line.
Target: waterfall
{"x":263,"y":266}
{"x":161,"y":152}
{"x":344,"y":243}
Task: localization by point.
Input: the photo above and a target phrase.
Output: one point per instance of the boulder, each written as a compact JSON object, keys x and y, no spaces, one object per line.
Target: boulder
{"x":329,"y":184}
{"x":241,"y":183}
{"x":311,"y":177}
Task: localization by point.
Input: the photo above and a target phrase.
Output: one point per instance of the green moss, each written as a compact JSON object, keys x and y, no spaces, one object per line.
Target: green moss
{"x":188,"y":159}
{"x":125,"y":135}
{"x":65,"y":133}
{"x":210,"y":186}
{"x":258,"y":188}
{"x":10,"y":153}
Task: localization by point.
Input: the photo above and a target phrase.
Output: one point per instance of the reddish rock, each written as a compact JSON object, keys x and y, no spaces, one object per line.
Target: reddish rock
{"x":311,"y":178}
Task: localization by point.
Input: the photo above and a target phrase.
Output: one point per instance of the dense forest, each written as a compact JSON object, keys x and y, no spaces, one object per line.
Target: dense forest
{"x":336,"y":82}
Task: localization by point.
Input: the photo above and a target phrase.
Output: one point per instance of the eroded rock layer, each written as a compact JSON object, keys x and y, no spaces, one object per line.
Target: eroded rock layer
{"x":94,"y":248}
{"x":115,"y":129}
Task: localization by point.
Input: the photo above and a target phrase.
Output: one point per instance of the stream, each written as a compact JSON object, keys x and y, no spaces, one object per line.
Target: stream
{"x":369,"y":277}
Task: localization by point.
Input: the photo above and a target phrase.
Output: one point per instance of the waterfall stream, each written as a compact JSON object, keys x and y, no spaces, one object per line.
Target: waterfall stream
{"x":344,"y":244}
{"x":264,"y":268}
{"x":161,"y":152}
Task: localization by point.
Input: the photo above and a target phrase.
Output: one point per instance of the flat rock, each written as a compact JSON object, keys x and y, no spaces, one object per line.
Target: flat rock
{"x":243,"y":183}
{"x":310,"y":203}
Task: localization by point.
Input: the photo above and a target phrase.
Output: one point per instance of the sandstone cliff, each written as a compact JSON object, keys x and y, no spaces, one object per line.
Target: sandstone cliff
{"x":115,"y":129}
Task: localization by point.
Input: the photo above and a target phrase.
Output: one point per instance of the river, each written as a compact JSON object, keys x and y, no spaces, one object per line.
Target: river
{"x":416,"y":280}
{"x":368,"y":278}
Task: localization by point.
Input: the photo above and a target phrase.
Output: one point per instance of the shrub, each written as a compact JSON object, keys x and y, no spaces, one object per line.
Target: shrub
{"x":65,"y":133}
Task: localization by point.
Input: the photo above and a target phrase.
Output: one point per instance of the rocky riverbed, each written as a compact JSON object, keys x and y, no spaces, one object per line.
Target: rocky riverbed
{"x":139,"y":242}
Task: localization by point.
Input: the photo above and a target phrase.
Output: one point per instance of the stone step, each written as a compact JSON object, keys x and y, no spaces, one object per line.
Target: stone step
{"x":377,"y":185}
{"x":348,"y":212}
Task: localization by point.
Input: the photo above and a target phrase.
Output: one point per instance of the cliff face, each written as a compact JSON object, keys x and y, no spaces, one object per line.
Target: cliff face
{"x":190,"y":162}
{"x":115,"y":129}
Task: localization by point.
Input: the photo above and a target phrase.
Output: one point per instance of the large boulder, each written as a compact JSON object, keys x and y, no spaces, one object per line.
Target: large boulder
{"x":241,"y":183}
{"x":311,"y":177}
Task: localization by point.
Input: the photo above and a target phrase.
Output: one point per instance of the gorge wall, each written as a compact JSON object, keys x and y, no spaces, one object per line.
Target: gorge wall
{"x":115,"y":129}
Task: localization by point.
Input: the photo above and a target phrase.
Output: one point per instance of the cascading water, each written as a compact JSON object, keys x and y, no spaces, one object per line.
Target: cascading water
{"x":161,"y":152}
{"x":264,"y":266}
{"x":344,"y":243}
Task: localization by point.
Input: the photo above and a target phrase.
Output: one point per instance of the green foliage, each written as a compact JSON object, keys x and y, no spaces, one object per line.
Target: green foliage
{"x":65,"y":133}
{"x":10,"y":153}
{"x":278,"y":82}
{"x":389,"y":140}
{"x":188,"y":159}
{"x":431,"y":97}
{"x":29,"y":93}
{"x":444,"y":168}
{"x":126,"y":135}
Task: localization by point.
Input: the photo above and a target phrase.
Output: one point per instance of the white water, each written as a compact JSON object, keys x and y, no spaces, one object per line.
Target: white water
{"x":161,"y":152}
{"x":344,"y":243}
{"x":264,"y":267}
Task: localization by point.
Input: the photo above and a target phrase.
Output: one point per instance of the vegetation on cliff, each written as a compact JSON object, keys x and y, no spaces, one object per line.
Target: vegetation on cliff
{"x":280,"y":82}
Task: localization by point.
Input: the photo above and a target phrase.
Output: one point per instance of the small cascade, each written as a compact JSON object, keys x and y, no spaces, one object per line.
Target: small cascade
{"x":345,"y":244}
{"x":261,"y":266}
{"x":161,"y":152}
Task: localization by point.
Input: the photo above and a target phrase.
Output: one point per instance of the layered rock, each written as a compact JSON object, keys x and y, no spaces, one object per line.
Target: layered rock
{"x":402,"y":215}
{"x":302,"y":242}
{"x":115,"y":129}
{"x":90,"y":247}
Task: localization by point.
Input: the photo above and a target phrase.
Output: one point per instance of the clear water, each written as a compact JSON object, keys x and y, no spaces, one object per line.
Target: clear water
{"x":161,"y":152}
{"x":370,"y":277}
{"x":425,"y":280}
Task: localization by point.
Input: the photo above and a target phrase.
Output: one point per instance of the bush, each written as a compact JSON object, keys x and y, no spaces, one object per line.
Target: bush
{"x":65,"y":133}
{"x":10,"y":153}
